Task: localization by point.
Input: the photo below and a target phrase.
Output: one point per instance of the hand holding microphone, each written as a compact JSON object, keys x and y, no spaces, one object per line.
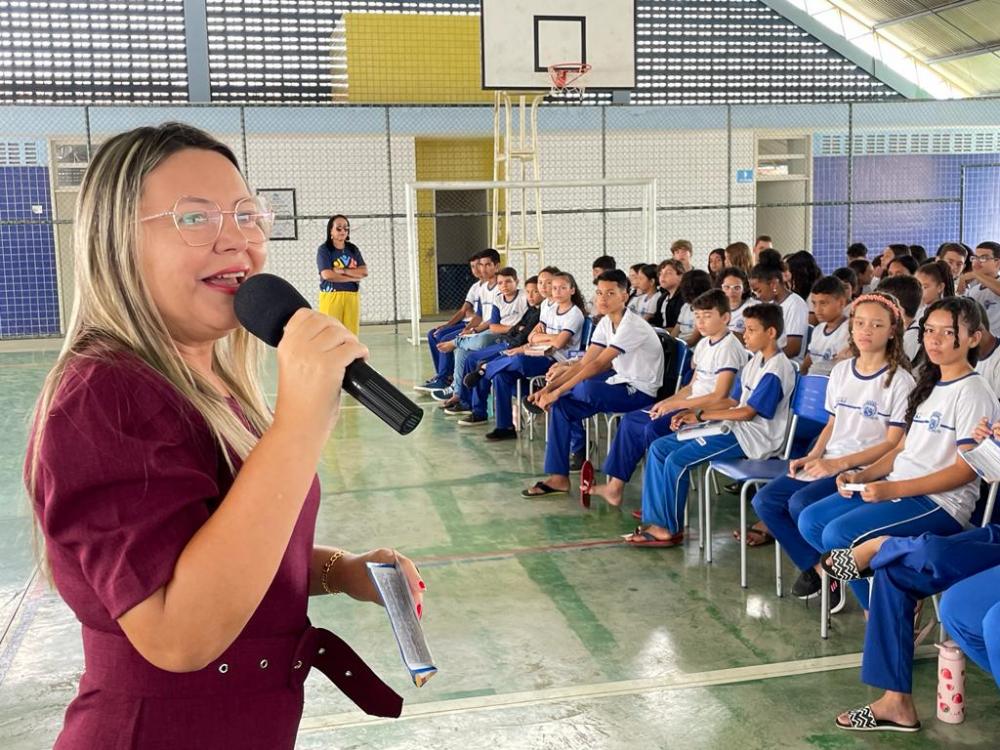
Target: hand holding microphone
{"x":270,"y":308}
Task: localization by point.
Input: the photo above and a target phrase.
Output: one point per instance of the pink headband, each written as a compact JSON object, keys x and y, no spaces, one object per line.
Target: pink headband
{"x":882,"y":300}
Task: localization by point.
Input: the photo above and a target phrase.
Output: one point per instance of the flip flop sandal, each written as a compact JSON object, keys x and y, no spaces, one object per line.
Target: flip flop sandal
{"x":840,"y":564}
{"x":863,"y":720}
{"x":765,"y":537}
{"x":532,"y":408}
{"x":642,"y":538}
{"x":637,"y":515}
{"x":545,"y":490}
{"x":586,"y":483}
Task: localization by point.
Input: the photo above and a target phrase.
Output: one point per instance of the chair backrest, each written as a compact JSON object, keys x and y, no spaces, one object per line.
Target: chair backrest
{"x":587,"y":332}
{"x":683,"y":358}
{"x":670,"y":354}
{"x":810,"y":398}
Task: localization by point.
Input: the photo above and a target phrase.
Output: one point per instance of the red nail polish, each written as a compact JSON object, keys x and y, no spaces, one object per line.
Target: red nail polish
{"x":420,"y":611}
{"x":423,"y":586}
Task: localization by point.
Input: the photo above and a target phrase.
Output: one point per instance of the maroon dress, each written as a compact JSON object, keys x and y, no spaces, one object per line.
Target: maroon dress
{"x":128,"y":472}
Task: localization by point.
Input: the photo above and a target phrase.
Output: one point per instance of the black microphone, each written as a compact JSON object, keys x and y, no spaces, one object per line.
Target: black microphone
{"x":265,"y":303}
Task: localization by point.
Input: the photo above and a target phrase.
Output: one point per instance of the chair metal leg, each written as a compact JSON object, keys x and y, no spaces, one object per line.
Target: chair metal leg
{"x":777,"y":569}
{"x":707,"y":521}
{"x":942,"y":634}
{"x":743,"y":533}
{"x":715,"y":485}
{"x":824,"y":605}
{"x":586,"y":439}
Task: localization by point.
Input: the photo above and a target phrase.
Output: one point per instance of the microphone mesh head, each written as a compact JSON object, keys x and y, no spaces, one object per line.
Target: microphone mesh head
{"x":264,"y":303}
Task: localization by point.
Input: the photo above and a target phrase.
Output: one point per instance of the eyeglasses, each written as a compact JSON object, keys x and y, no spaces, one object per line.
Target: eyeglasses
{"x":982,"y":258}
{"x":199,"y":220}
{"x":732,"y":287}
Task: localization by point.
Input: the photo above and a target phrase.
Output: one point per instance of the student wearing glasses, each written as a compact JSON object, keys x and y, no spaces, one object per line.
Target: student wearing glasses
{"x":341,"y":267}
{"x":982,"y":283}
{"x":178,"y":509}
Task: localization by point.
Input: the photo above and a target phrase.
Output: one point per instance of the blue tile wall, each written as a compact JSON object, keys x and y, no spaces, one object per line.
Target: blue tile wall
{"x":29,"y":299}
{"x":904,"y":177}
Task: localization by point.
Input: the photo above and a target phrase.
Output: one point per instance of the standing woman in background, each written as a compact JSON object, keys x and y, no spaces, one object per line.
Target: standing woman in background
{"x":341,"y":267}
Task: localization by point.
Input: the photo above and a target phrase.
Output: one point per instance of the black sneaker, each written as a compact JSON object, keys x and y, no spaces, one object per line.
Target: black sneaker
{"x":575,"y":463}
{"x":472,"y":379}
{"x":473,"y":420}
{"x":807,"y":585}
{"x":499,"y":434}
{"x":838,"y":596}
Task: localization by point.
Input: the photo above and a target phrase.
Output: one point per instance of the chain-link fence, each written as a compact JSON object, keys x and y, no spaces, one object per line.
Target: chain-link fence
{"x":816,"y":177}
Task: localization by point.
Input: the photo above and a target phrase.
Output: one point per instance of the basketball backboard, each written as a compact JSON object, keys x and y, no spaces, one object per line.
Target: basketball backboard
{"x":521,"y":38}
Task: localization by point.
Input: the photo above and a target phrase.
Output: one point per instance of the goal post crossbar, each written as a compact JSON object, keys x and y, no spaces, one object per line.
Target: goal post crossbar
{"x":648,"y":209}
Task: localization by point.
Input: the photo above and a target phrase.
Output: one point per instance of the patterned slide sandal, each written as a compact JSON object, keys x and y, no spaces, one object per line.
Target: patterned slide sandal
{"x":863,"y":720}
{"x":840,"y":564}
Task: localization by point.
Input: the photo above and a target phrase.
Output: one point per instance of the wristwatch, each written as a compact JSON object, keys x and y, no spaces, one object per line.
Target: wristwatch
{"x":697,"y":415}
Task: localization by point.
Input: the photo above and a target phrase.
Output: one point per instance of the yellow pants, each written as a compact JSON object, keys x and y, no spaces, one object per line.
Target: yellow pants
{"x":344,"y":306}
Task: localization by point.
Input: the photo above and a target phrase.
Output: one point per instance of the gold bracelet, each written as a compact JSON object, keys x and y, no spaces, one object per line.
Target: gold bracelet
{"x":326,"y":570}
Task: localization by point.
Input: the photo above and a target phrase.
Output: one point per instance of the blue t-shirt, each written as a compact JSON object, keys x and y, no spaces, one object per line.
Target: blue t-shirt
{"x":329,"y":258}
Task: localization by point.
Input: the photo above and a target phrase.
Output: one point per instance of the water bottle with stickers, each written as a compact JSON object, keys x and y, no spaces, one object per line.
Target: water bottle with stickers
{"x":951,"y":683}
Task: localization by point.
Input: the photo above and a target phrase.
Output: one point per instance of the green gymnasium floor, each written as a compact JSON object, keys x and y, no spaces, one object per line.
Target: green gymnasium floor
{"x":546,"y":634}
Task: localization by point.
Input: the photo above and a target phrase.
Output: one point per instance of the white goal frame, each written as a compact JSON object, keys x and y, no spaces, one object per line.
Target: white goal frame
{"x":648,"y":219}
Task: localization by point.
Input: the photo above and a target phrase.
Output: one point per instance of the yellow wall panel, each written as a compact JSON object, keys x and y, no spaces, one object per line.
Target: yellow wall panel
{"x":396,"y":58}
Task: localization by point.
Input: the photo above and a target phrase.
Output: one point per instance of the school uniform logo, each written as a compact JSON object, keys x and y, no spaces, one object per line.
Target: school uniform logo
{"x":869,"y":410}
{"x":934,"y":422}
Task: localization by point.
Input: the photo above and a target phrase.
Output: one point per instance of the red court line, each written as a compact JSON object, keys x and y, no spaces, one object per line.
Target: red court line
{"x":506,"y":554}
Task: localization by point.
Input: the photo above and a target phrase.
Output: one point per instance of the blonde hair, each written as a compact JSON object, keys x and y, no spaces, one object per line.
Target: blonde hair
{"x":113,"y":311}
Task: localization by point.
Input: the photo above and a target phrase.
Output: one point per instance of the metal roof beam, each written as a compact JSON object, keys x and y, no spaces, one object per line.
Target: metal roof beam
{"x":922,"y":14}
{"x":984,"y":49}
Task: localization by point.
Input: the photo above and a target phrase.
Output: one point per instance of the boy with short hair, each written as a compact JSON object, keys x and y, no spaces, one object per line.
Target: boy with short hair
{"x":828,"y":343}
{"x":865,"y":272}
{"x":983,"y":284}
{"x":856,"y":251}
{"x":763,"y":242}
{"x":756,"y":423}
{"x":907,"y":290}
{"x":682,"y":250}
{"x":621,"y":370}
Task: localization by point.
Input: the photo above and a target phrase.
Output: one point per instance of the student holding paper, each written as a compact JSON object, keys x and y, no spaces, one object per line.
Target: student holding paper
{"x":718,"y":357}
{"x":866,"y":399}
{"x":923,"y":485}
{"x":621,"y":371}
{"x":757,"y":421}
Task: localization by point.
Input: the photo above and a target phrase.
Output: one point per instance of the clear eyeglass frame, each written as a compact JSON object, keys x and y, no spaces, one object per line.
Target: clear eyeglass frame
{"x":199,"y":220}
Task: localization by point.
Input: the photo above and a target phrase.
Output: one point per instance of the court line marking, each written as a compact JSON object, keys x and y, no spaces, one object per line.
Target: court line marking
{"x":713,"y":678}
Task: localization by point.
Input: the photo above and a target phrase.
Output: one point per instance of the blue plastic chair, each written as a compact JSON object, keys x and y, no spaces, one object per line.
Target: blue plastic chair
{"x":682,"y":362}
{"x":808,"y":403}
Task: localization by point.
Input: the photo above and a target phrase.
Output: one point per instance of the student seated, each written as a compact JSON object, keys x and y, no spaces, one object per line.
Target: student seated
{"x":905,"y":570}
{"x":647,"y":297}
{"x":850,"y":280}
{"x":828,"y":343}
{"x":559,"y":331}
{"x":736,"y":286}
{"x":866,"y":399}
{"x":907,"y":291}
{"x":693,"y":284}
{"x":668,"y":274}
{"x":717,"y":359}
{"x":988,"y":358}
{"x":857,"y":251}
{"x":444,"y":362}
{"x":601,"y":264}
{"x":475,"y":364}
{"x":904,"y":265}
{"x":621,"y":371}
{"x":982,"y":283}
{"x":757,"y":424}
{"x":681,"y":251}
{"x":923,"y":485}
{"x":500,"y":314}
{"x":865,"y":273}
{"x":936,"y":283}
{"x":768,"y":285}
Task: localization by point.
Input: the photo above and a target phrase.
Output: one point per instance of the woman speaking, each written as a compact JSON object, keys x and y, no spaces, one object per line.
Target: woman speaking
{"x":177,"y":510}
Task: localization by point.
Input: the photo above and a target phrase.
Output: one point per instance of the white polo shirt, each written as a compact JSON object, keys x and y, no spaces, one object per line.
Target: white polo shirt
{"x":714,"y":357}
{"x":990,"y":300}
{"x":767,"y":386}
{"x":487,"y":299}
{"x":989,"y":368}
{"x":944,"y":421}
{"x":825,"y":344}
{"x":640,"y":361}
{"x":472,"y":298}
{"x":736,"y":322}
{"x":911,"y":339}
{"x":508,"y":312}
{"x":796,"y":315}
{"x":685,"y":322}
{"x":864,"y":407}
{"x":646,"y":304}
{"x":556,"y":322}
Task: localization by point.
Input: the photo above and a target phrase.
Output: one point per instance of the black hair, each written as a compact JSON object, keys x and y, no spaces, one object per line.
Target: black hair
{"x":770,"y":256}
{"x":954,"y":247}
{"x":859,"y":265}
{"x":898,"y":249}
{"x":615,"y":276}
{"x":713,"y":299}
{"x":939,"y":271}
{"x":768,"y":269}
{"x":805,"y":271}
{"x":857,"y":250}
{"x":509,"y":272}
{"x":576,"y":298}
{"x":694,"y":283}
{"x":531,"y":280}
{"x":475,"y":257}
{"x":962,"y":309}
{"x":769,"y":314}
{"x":605,"y":263}
{"x":636,"y":266}
{"x":906,"y":289}
{"x":993,"y":247}
{"x":721,"y":252}
{"x":919,"y":252}
{"x":551,"y":270}
{"x":907,"y":261}
{"x":329,"y":227}
{"x":649,"y":271}
{"x":850,"y":280}
{"x":491,"y":255}
{"x":831,"y":285}
{"x":738,"y":273}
